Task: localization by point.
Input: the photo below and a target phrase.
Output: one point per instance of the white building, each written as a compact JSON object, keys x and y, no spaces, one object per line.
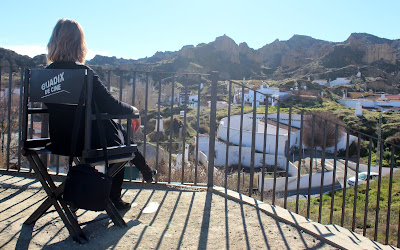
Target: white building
{"x":193,"y":99}
{"x":272,"y":133}
{"x":389,"y":105}
{"x":341,"y":81}
{"x":233,"y":156}
{"x":260,"y":94}
{"x":338,"y":81}
{"x":234,"y":133}
{"x":321,"y":82}
{"x":220,"y":104}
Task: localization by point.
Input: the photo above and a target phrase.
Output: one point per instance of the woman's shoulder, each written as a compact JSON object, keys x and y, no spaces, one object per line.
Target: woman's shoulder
{"x":73,"y":65}
{"x":67,"y":65}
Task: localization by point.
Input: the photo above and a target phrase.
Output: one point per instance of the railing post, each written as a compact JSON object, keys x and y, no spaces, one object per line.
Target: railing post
{"x":144,"y":118}
{"x":21,"y":89}
{"x":213,"y":128}
{"x":171,"y":130}
{"x":2,"y":123}
{"x":109,"y":80}
{"x":8,"y":148}
{"x":196,"y":162}
{"x":184,"y":129}
{"x":158,"y":122}
{"x":253,"y":143}
{"x":239,"y":167}
{"x":227,"y":135}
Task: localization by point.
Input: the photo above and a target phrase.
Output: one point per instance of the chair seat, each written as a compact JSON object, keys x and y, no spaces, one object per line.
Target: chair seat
{"x":115,"y":154}
{"x":111,"y":151}
{"x":112,"y":159}
{"x":36,"y":144}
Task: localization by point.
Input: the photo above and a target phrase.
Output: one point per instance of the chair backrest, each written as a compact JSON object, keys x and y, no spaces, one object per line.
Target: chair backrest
{"x":60,"y":89}
{"x":61,"y":86}
{"x":45,"y":88}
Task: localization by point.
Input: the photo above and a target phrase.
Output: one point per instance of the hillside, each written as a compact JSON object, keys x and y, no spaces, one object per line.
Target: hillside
{"x":9,"y":57}
{"x":299,"y":57}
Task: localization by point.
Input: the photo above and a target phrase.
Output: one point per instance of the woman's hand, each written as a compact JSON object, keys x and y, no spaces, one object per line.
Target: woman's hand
{"x":135,"y":110}
{"x":135,"y":124}
{"x":135,"y":121}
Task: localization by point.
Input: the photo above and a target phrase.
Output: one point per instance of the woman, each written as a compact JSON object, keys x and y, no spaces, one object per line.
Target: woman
{"x":67,"y":50}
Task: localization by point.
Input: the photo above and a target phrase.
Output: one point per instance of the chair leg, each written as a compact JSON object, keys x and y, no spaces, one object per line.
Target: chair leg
{"x":115,"y":168}
{"x":54,"y":199}
{"x":114,"y":214}
{"x":72,"y":220}
{"x":53,"y":194}
{"x":44,"y":206}
{"x":110,"y":209}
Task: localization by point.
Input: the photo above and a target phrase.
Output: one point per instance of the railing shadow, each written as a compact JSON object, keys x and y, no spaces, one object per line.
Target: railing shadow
{"x":227,"y":223}
{"x":186,"y":221}
{"x":185,"y":218}
{"x":117,"y":233}
{"x":206,"y":222}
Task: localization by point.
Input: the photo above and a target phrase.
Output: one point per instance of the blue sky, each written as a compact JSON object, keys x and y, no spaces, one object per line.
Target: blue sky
{"x":136,"y":29}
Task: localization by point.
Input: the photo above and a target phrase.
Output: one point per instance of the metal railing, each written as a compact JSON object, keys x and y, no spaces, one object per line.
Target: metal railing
{"x":274,"y":152}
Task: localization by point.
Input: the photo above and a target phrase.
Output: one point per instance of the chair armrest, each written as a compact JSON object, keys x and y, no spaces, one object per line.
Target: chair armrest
{"x":111,"y":151}
{"x":35,"y":143}
{"x":106,"y":116}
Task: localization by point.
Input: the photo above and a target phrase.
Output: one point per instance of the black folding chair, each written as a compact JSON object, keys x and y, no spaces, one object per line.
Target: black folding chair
{"x":64,"y":87}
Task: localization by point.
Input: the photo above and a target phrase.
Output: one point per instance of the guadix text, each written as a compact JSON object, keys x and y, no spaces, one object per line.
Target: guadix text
{"x":53,"y":85}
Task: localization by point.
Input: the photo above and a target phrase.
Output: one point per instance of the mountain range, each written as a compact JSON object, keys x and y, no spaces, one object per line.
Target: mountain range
{"x":299,"y":57}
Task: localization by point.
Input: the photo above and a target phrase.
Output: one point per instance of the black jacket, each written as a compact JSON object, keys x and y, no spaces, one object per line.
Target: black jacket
{"x":61,"y":117}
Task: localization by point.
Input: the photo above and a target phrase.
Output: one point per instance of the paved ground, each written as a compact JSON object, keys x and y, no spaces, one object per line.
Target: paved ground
{"x":187,"y":218}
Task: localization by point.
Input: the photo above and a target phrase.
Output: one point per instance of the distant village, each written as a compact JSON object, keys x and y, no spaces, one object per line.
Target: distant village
{"x":282,"y":141}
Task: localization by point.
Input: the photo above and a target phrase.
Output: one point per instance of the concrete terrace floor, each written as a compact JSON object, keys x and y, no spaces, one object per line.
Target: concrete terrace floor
{"x":187,"y":218}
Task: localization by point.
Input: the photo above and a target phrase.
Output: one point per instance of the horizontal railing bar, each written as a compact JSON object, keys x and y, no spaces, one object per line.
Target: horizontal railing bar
{"x":37,"y":110}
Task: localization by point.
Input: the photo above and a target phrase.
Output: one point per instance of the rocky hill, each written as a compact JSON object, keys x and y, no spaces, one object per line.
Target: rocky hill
{"x":10,"y":58}
{"x":298,"y":57}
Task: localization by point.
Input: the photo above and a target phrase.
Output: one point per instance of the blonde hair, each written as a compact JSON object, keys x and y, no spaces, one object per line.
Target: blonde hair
{"x":67,"y":42}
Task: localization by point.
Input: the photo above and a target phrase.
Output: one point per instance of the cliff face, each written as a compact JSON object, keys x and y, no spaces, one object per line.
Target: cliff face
{"x":187,"y":52}
{"x":378,"y":52}
{"x":373,"y":48}
{"x":248,"y":54}
{"x":294,"y":53}
{"x":227,"y":47}
{"x":271,"y":54}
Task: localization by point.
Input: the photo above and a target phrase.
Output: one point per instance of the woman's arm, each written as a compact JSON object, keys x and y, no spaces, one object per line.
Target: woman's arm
{"x":106,"y":102}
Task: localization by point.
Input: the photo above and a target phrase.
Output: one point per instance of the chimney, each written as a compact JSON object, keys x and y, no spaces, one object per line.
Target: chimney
{"x":358,"y":109}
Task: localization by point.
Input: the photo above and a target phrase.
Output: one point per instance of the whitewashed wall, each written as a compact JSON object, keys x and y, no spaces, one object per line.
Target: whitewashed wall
{"x":203,"y":159}
{"x":284,"y":118}
{"x":233,"y":157}
{"x":369,"y":104}
{"x":292,"y":181}
{"x":234,"y":134}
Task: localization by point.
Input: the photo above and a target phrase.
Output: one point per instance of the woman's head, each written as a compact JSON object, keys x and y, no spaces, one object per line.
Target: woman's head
{"x":67,"y":42}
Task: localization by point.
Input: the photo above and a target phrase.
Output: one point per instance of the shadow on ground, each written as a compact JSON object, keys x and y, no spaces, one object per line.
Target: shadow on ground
{"x":187,"y":218}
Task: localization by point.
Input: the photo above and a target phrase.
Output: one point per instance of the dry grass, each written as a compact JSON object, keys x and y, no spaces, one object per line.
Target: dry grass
{"x":370,"y":214}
